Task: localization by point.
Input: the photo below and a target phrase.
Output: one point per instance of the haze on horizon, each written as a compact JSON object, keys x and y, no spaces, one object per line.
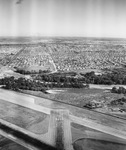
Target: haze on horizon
{"x":83,"y":18}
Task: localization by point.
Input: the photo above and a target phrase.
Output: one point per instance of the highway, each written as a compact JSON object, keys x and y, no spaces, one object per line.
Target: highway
{"x":100,"y":122}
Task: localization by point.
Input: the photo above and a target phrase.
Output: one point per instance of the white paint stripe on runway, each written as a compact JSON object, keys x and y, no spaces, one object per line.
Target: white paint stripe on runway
{"x":13,"y":98}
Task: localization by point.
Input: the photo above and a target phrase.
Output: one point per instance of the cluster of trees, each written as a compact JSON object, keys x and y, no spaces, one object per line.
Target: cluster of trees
{"x":61,"y":81}
{"x":120,"y":90}
{"x":22,"y":83}
{"x":93,"y":105}
{"x":120,"y":101}
{"x":65,"y":79}
{"x":106,"y":78}
{"x":36,"y":85}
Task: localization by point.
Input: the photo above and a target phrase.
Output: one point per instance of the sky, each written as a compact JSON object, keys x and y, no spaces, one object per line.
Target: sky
{"x":78,"y":18}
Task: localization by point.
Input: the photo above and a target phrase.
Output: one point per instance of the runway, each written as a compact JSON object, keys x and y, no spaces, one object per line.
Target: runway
{"x":23,"y":137}
{"x":60,"y":129}
{"x":100,"y":122}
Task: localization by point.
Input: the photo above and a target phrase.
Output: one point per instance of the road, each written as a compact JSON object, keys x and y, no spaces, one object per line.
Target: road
{"x":16,"y":56}
{"x":67,"y":130}
{"x":60,"y":129}
{"x":52,"y":129}
{"x":100,"y":122}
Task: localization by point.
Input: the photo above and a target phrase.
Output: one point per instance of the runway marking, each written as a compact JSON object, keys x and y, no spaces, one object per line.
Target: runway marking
{"x":60,"y":130}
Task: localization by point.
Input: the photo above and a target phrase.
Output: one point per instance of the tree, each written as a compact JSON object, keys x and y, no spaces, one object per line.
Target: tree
{"x":114,"y":90}
{"x":121,"y":90}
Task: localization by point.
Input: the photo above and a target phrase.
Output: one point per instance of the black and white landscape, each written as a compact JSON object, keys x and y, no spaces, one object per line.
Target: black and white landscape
{"x":62,"y":74}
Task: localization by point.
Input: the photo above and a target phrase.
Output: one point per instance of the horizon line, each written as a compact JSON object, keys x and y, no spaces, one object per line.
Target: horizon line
{"x":97,"y":37}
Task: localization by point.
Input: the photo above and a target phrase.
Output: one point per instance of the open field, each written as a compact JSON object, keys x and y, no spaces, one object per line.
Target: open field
{"x":101,"y":97}
{"x":80,"y":97}
{"x":76,"y":97}
{"x":7,"y":72}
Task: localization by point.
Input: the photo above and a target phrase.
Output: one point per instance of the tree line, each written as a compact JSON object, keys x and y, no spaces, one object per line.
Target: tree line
{"x":35,"y":85}
{"x":22,"y":83}
{"x":120,"y":90}
{"x":61,"y":81}
{"x":120,"y":101}
{"x":114,"y":77}
{"x":55,"y":80}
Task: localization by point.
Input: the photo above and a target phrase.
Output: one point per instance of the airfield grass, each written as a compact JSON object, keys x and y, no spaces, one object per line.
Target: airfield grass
{"x":81,"y":127}
{"x":72,"y":96}
{"x":23,"y":117}
{"x":87,"y":138}
{"x":93,"y":144}
{"x":40,"y":127}
{"x":79,"y":97}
